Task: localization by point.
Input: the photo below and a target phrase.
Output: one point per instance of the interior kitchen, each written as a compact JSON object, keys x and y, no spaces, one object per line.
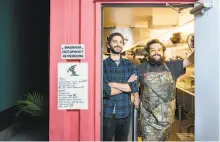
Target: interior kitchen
{"x":174,"y":27}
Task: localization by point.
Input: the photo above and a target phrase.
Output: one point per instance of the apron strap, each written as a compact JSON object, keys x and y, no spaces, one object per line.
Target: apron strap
{"x":166,"y":67}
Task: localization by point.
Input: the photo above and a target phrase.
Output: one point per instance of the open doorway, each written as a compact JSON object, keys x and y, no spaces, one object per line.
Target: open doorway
{"x":174,"y":27}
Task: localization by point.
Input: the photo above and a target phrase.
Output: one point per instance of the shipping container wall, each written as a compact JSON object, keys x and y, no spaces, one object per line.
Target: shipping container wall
{"x":72,"y":22}
{"x":79,"y":22}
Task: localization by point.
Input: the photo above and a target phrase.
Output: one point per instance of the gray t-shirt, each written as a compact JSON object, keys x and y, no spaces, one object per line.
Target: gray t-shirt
{"x":117,"y":62}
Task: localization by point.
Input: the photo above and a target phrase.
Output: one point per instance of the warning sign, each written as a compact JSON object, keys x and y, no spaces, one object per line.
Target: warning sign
{"x":72,"y":51}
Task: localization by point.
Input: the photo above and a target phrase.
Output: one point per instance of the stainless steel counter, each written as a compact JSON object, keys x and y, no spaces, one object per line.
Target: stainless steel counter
{"x":190,"y":91}
{"x":185,"y":95}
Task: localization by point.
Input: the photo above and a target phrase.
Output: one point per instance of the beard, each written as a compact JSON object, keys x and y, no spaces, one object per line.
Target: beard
{"x":156,"y":62}
{"x":112,"y":49}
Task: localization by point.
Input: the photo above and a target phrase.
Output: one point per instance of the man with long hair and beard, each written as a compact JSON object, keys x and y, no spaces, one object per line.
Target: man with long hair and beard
{"x":119,"y":82}
{"x":157,"y":91}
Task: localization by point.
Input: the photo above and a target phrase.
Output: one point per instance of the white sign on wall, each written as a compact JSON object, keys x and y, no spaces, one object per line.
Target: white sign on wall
{"x":72,"y":51}
{"x":72,"y":86}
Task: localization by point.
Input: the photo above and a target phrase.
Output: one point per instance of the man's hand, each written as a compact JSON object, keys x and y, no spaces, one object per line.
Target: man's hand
{"x":132,"y":78}
{"x":132,"y":98}
{"x":136,"y":100}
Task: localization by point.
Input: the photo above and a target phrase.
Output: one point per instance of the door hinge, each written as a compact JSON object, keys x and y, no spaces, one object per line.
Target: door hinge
{"x":200,"y":7}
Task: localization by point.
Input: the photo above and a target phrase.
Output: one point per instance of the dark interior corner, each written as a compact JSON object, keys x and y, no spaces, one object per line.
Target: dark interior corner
{"x":24,"y":58}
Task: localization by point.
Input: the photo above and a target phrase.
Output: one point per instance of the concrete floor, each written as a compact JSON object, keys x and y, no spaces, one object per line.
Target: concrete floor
{"x":37,"y":134}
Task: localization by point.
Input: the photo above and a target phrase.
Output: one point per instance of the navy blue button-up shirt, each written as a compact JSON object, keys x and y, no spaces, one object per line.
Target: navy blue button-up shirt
{"x":120,"y":74}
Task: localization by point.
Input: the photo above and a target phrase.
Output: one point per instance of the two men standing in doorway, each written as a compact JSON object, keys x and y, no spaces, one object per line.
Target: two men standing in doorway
{"x":157,"y":90}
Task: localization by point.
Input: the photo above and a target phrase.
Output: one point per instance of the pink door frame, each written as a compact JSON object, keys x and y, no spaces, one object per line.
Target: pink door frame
{"x":76,"y":22}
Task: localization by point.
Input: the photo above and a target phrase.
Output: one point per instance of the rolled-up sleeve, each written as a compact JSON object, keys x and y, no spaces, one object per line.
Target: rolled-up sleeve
{"x":133,"y":85}
{"x":106,"y":87}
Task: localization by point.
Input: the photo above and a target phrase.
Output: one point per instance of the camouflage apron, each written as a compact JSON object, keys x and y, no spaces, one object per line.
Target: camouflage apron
{"x":157,"y":105}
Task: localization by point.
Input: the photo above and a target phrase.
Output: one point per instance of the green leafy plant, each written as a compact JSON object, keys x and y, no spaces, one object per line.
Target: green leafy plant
{"x":33,"y":104}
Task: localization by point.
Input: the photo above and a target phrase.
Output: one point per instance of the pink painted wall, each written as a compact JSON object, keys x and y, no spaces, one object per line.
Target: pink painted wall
{"x":75,"y":22}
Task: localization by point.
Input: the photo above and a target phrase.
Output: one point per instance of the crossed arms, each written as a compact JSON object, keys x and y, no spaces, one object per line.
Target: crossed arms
{"x":114,"y":88}
{"x":117,"y":88}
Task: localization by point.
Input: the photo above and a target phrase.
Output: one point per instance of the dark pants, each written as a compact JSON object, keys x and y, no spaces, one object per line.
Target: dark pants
{"x":118,"y":127}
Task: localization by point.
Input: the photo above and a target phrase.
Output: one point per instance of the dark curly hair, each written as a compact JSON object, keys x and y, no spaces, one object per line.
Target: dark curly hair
{"x":109,"y":38}
{"x":153,"y":41}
